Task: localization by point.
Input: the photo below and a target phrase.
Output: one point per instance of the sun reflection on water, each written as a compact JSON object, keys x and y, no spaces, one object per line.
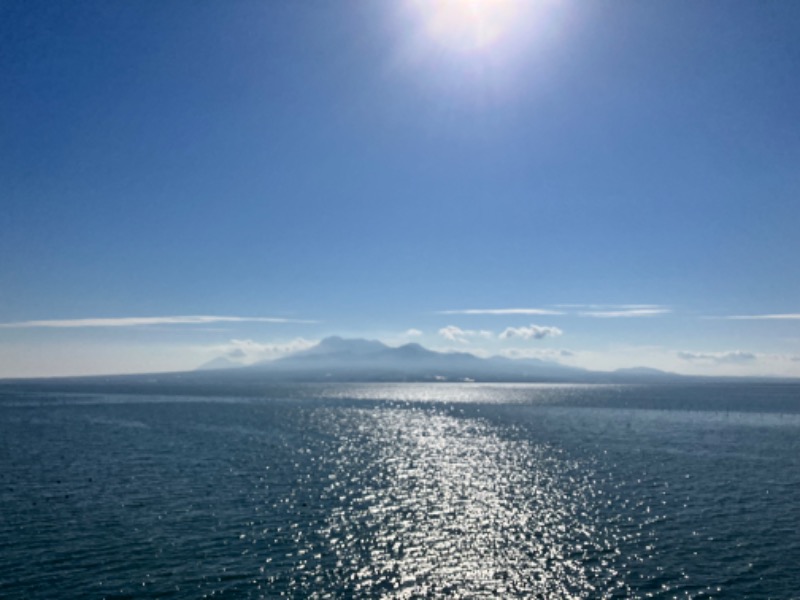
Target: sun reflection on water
{"x":440,"y":505}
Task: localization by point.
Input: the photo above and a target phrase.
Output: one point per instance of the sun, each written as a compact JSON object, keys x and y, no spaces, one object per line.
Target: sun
{"x":467,"y":25}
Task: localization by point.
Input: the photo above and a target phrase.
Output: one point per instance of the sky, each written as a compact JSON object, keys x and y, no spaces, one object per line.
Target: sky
{"x":602,"y":184}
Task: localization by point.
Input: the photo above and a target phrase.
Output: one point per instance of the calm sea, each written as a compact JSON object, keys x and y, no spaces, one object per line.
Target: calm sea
{"x":404,"y":491}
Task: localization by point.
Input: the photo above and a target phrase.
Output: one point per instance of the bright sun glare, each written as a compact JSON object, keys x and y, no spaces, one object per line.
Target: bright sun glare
{"x":467,"y":25}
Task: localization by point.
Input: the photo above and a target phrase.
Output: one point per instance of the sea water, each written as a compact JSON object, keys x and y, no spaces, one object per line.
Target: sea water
{"x":403,"y":491}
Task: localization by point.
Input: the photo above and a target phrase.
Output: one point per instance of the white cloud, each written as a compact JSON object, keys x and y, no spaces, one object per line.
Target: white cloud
{"x":608,"y":311}
{"x":413,"y":333}
{"x":609,"y":306}
{"x":143,"y":321}
{"x":456,"y":334}
{"x":625,"y":312}
{"x":788,"y":316}
{"x":502,"y":311}
{"x":249,"y":351}
{"x":733,"y":356}
{"x":540,"y":353}
{"x":533,"y":332}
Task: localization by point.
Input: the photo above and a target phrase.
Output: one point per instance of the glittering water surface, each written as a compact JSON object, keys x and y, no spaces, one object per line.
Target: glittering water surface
{"x":403,"y":491}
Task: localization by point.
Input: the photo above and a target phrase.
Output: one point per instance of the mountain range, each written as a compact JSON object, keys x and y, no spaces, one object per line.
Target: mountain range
{"x":339,"y":359}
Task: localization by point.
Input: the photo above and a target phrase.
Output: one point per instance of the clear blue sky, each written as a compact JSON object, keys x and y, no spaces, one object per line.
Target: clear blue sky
{"x":630,"y":169}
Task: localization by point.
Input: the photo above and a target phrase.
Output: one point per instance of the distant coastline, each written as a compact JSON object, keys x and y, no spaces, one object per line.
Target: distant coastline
{"x":339,"y":360}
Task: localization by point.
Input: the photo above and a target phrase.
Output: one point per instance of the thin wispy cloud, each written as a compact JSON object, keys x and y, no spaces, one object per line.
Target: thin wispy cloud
{"x":610,"y":306}
{"x":462,"y":336}
{"x":533,"y":332}
{"x":145,"y":321}
{"x":608,"y":311}
{"x":738,"y":357}
{"x":733,"y":356}
{"x":413,"y":332}
{"x":502,"y":311}
{"x":617,"y":311}
{"x":769,"y":317}
{"x":625,"y":313}
{"x":542,"y":354}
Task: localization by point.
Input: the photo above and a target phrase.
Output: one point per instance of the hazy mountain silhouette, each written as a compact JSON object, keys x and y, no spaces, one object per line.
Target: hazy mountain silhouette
{"x":336,"y":359}
{"x":221,"y":362}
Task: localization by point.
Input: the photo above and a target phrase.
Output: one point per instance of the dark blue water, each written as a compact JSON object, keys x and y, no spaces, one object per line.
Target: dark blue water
{"x":404,"y":491}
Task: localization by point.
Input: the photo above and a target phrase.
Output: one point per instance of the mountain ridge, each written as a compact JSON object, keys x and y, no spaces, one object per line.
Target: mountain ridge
{"x":335,"y":358}
{"x":341,"y":360}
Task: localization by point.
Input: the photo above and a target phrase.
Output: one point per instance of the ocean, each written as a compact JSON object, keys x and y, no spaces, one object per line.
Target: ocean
{"x":403,"y":491}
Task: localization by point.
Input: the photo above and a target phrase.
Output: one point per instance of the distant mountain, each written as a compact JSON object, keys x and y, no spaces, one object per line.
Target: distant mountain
{"x":339,"y":359}
{"x":349,"y":360}
{"x":221,"y":362}
{"x":643,"y":372}
{"x":336,"y":345}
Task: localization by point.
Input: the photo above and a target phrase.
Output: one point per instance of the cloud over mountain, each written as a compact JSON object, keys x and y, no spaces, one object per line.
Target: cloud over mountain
{"x":540,"y":353}
{"x":733,"y":356}
{"x":248,"y":351}
{"x":462,"y":336}
{"x":533,"y":332}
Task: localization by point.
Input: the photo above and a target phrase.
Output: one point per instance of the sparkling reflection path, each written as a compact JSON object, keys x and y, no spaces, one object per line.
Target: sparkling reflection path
{"x":427,"y":503}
